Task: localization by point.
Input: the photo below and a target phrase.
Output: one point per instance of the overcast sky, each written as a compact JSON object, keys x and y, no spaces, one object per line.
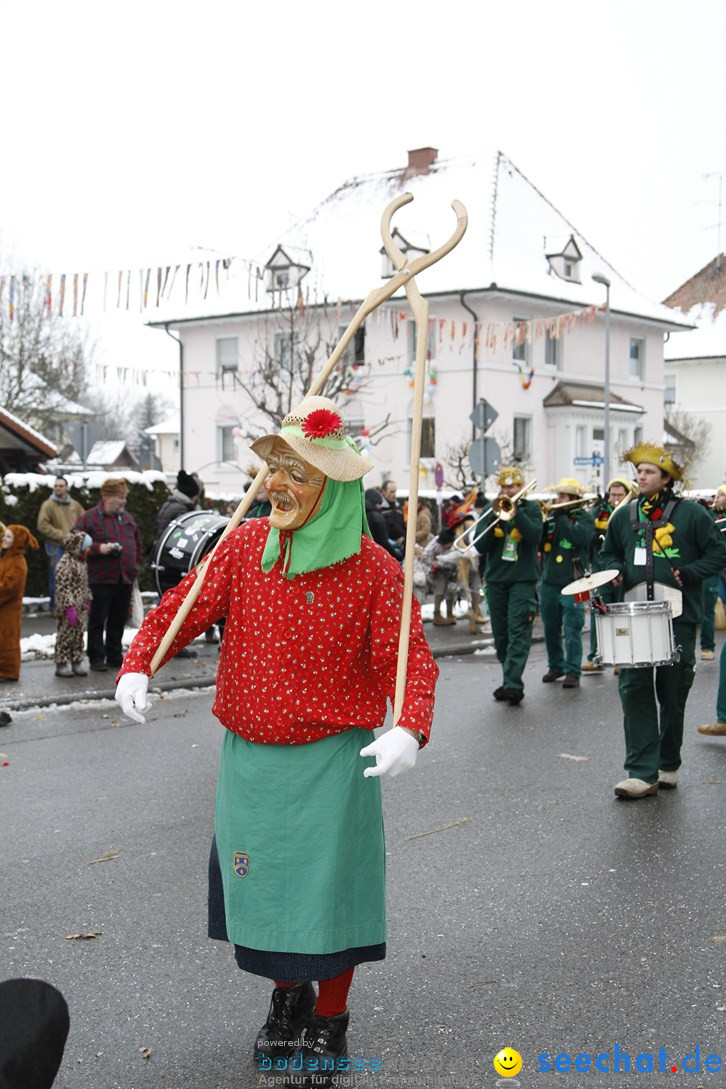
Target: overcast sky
{"x":134,"y":130}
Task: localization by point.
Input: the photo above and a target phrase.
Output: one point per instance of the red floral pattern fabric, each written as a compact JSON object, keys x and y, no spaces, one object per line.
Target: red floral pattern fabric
{"x":304,"y":658}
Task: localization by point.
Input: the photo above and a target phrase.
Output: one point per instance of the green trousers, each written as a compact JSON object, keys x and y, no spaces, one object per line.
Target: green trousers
{"x":512,"y":611}
{"x":721,"y":698}
{"x":708,"y":626}
{"x":560,"y":612}
{"x":654,"y":705}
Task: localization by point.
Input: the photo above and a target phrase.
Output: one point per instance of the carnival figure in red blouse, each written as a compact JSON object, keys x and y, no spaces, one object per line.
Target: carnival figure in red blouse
{"x":307,"y":667}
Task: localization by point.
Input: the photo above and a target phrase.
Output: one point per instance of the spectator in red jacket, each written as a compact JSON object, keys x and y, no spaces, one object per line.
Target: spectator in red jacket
{"x":113,"y":561}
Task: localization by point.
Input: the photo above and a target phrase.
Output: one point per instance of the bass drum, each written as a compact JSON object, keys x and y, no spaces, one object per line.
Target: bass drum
{"x":184,"y":542}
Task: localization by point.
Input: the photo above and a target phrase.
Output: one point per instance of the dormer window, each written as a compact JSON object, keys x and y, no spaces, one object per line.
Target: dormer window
{"x":413,"y":245}
{"x":566,"y":262}
{"x":285,"y":270}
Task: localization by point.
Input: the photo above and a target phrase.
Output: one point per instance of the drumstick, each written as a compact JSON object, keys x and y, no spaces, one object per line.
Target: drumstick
{"x":674,"y":569}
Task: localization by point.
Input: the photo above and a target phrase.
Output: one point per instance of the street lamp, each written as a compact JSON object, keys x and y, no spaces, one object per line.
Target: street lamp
{"x":600,"y":279}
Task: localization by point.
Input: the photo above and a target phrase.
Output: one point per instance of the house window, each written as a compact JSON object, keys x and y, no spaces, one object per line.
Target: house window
{"x":637,"y":357}
{"x":428,"y":437}
{"x":227,"y":354}
{"x":522,"y":438}
{"x":283,"y":354}
{"x":226,"y":447}
{"x":553,"y":351}
{"x":175,"y":446}
{"x":637,"y":436}
{"x":355,"y":352}
{"x":622,"y":440}
{"x":520,"y":347}
{"x":669,"y":393}
{"x":430,"y":347}
{"x":581,"y":450}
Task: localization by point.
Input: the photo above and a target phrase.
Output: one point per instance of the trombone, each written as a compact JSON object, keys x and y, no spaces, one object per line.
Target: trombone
{"x":548,"y":508}
{"x":502,"y":507}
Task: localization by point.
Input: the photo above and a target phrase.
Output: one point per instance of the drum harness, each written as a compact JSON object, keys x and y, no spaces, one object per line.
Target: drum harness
{"x":650,"y":528}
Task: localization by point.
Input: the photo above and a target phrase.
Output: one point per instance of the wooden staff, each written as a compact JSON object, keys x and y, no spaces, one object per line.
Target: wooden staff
{"x":402,"y":278}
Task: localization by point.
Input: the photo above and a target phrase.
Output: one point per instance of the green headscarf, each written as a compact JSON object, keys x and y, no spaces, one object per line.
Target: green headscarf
{"x":332,"y":535}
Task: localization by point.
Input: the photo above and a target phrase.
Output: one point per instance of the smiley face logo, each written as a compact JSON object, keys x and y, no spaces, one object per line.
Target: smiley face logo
{"x":508,"y":1062}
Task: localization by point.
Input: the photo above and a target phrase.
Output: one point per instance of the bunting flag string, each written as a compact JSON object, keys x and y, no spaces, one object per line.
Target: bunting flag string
{"x":445,"y":333}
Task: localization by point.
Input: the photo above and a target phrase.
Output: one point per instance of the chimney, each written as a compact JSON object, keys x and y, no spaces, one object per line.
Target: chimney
{"x":420,"y":160}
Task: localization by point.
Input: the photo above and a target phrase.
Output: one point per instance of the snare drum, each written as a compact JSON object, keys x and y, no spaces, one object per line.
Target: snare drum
{"x":636,"y":634}
{"x":184,"y":542}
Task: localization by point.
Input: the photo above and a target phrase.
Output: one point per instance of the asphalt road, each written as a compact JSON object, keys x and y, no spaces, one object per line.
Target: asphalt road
{"x":527,"y":907}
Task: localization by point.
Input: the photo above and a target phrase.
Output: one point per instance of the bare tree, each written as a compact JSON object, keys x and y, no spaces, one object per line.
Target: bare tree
{"x":456,"y":459}
{"x":289,"y":356}
{"x":690,"y":436}
{"x":44,"y":357}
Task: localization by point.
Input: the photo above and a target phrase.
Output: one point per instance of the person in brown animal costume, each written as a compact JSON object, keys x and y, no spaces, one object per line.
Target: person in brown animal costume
{"x":13,"y":576}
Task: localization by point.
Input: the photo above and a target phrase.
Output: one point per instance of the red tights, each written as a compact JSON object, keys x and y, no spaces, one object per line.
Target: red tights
{"x":332,"y":994}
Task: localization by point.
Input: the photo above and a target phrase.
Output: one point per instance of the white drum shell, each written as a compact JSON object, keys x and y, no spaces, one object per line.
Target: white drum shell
{"x":636,"y":634}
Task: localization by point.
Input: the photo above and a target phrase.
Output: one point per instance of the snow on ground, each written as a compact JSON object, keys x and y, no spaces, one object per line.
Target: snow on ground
{"x":36,"y":647}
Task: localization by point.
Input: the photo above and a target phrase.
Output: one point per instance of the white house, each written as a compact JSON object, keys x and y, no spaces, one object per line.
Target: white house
{"x":515,"y":318}
{"x":695,"y":365}
{"x":166,"y":444}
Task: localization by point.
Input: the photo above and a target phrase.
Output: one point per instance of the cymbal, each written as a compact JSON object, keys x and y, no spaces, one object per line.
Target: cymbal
{"x":590,"y":582}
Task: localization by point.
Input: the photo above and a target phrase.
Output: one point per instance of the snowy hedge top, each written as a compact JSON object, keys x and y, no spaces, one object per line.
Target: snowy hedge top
{"x":91,"y":479}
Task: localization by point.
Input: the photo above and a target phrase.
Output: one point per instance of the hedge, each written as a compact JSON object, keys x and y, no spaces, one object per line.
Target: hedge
{"x":22,"y":494}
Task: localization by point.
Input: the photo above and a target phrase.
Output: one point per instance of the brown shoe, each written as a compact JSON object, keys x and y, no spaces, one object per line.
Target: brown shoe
{"x":552,"y":675}
{"x":571,"y":682}
{"x":713,"y":729}
{"x":444,"y":621}
{"x":591,"y":667}
{"x":708,"y":655}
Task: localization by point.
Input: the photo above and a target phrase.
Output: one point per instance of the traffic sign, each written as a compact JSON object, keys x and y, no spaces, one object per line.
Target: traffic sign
{"x":583,"y":461}
{"x":439,"y":475}
{"x":485,"y":457}
{"x":483,"y":415}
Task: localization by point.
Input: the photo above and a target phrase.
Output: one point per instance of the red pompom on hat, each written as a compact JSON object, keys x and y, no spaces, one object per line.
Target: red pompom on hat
{"x":322,"y":423}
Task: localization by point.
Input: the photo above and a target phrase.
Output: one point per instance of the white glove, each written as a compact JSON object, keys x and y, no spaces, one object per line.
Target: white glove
{"x":395,"y":751}
{"x":131,"y":695}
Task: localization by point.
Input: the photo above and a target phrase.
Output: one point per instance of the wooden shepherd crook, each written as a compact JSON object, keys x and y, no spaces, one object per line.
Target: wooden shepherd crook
{"x":404,"y":277}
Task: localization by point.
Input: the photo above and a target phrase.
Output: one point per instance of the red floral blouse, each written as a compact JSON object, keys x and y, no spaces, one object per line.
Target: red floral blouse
{"x":302,"y":658}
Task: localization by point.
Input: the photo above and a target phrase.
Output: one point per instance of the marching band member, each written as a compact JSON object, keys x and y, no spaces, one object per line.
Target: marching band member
{"x":510,"y":573}
{"x":568,"y":532}
{"x":711,"y":588}
{"x":308,"y":662}
{"x":617,"y":491}
{"x":673,"y":541}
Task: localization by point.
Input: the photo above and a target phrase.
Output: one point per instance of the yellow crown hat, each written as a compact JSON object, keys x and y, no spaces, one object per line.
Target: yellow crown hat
{"x":654,"y":454}
{"x":567,"y":486}
{"x":510,"y":474}
{"x":622,"y":481}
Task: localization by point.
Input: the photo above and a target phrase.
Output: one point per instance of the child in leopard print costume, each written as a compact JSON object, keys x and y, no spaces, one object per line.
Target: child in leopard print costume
{"x":72,"y":597}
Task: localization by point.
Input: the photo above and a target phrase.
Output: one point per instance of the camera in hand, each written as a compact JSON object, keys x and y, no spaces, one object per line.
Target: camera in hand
{"x":114,"y":547}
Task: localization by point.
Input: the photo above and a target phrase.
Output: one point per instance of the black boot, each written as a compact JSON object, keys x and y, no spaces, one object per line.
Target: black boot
{"x":290,"y":1009}
{"x":323,"y":1043}
{"x":499,"y":693}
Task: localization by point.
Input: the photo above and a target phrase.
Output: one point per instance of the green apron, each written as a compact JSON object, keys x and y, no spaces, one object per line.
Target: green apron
{"x":300,"y":840}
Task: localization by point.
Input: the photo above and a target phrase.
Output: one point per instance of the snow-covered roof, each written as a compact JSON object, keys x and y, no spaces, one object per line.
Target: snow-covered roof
{"x":706,"y":341}
{"x":22,"y":434}
{"x":108,"y":453}
{"x":511,"y":226}
{"x":169,"y":426}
